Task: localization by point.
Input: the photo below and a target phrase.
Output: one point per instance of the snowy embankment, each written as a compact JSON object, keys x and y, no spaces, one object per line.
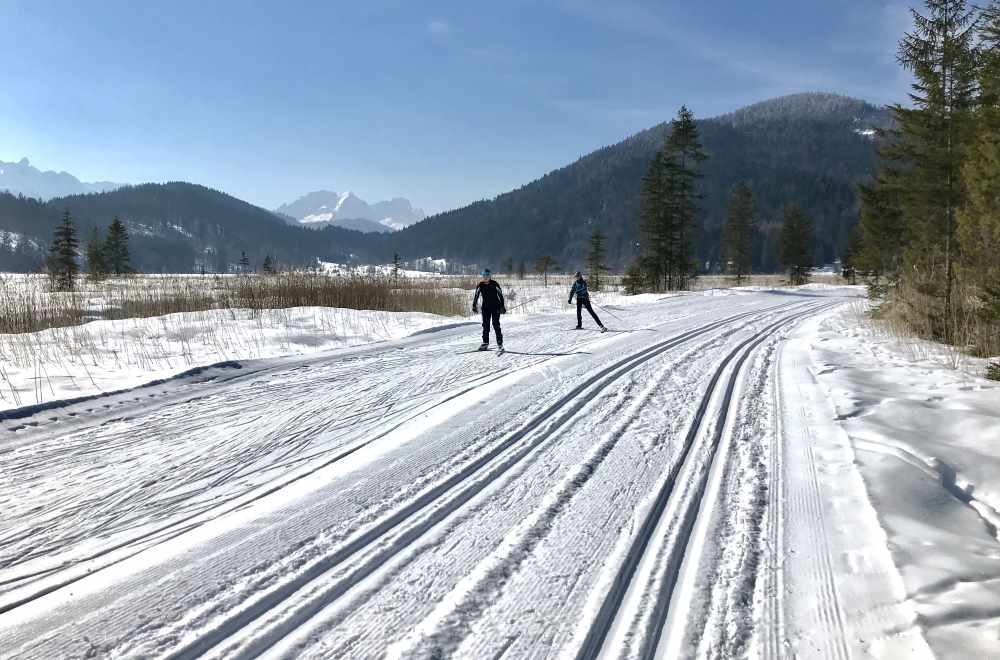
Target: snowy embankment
{"x":925,"y":434}
{"x":107,"y":356}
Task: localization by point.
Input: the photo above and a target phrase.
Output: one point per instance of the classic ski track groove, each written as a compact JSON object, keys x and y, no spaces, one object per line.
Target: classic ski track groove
{"x":548,"y":422}
{"x":219,"y":508}
{"x":610,"y":609}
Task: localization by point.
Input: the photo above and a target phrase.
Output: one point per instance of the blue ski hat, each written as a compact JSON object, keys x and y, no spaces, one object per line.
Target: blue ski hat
{"x":486,"y":273}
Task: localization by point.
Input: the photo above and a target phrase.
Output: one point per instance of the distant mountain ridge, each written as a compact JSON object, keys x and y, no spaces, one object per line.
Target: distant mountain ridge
{"x":327,"y":208}
{"x":809,"y":149}
{"x":22,"y":178}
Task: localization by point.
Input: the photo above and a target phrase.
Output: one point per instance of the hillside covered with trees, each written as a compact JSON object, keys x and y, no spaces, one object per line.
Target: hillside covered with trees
{"x":808,"y":149}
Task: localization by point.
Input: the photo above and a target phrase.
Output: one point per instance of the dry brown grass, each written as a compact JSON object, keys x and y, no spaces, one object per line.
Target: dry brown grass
{"x":26,"y":304}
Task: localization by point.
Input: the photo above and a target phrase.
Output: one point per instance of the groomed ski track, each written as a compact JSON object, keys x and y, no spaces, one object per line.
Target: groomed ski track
{"x":580,"y":496}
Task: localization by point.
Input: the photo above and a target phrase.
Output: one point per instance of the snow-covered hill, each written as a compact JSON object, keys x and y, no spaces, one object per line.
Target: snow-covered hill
{"x":325,"y":207}
{"x":25,"y":179}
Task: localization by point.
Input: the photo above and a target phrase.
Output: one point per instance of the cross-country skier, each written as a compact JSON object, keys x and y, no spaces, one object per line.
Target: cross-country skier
{"x":493,"y":307}
{"x":583,"y":300}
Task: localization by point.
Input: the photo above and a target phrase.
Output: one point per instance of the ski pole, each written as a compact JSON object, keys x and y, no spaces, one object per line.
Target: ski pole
{"x":526,"y":302}
{"x":609,"y":312}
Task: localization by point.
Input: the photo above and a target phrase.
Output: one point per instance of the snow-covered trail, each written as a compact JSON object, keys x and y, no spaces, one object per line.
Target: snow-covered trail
{"x":583,"y":495}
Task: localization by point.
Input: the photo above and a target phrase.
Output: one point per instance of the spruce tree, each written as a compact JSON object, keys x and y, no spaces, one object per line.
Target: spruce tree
{"x":508,"y":265}
{"x":268,"y":266}
{"x":796,"y":245}
{"x":116,"y":253}
{"x":848,"y":260}
{"x":543,"y":265}
{"x":741,"y":226}
{"x":244,"y":263}
{"x":669,"y":210}
{"x":634,"y":279}
{"x":654,"y":224}
{"x":63,"y":254}
{"x":978,"y":222}
{"x":881,"y":233}
{"x":685,"y":155}
{"x":521,"y":270}
{"x":595,"y":259}
{"x":932,"y":141}
{"x":97,"y":266}
{"x":396,"y":262}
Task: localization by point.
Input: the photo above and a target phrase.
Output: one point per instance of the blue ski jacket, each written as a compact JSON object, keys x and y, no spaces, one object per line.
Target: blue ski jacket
{"x":579,"y":290}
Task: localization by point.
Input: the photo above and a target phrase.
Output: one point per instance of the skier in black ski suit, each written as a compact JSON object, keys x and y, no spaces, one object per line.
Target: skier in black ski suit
{"x":493,"y":307}
{"x":583,"y":300}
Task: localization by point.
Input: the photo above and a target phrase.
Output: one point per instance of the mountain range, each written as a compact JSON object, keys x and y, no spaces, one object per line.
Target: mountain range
{"x":25,"y":179}
{"x":326,"y":208}
{"x":809,"y":149}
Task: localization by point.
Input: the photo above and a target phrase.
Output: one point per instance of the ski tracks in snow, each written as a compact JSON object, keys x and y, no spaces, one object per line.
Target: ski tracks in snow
{"x":591,"y":529}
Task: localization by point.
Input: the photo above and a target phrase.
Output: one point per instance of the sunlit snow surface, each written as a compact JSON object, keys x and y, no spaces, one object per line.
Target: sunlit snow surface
{"x":752,"y":473}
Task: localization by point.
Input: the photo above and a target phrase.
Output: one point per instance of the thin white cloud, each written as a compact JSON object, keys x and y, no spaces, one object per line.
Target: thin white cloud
{"x":438,"y":28}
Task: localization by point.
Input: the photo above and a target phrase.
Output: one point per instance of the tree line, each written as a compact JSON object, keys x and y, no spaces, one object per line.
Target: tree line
{"x":929,"y":232}
{"x":670,"y":220}
{"x":103,"y":257}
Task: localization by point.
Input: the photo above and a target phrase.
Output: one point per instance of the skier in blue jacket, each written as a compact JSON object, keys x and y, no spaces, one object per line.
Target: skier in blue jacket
{"x":493,"y":307}
{"x":583,"y":300}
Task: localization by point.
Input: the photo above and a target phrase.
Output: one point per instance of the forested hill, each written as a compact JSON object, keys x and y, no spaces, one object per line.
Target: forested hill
{"x":808,"y":148}
{"x":173,"y":227}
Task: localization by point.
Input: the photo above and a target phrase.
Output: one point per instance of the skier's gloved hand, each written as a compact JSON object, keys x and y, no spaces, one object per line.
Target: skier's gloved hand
{"x":503,"y":310}
{"x":475,"y":310}
{"x":569,"y":302}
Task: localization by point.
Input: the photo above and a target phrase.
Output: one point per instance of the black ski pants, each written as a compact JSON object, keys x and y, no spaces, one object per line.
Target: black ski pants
{"x":492,"y":316}
{"x":580,"y":304}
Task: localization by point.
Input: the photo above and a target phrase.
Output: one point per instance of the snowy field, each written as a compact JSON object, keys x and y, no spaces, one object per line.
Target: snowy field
{"x":87,"y":354}
{"x":728,"y":473}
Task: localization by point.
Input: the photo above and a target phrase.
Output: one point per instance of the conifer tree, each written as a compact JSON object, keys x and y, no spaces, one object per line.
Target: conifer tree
{"x":741,"y":226}
{"x":930,"y":146}
{"x":796,"y":245}
{"x":543,"y":265}
{"x":396,"y":262}
{"x":244,"y":263}
{"x":881,"y":231}
{"x":978,"y":222}
{"x":268,"y":266}
{"x":63,"y":254}
{"x":684,"y":148}
{"x":595,"y":259}
{"x":97,"y":266}
{"x":116,"y":253}
{"x":508,"y":265}
{"x":521,"y":270}
{"x":634,"y":279}
{"x":654,"y":224}
{"x":848,"y":260}
{"x":669,"y":206}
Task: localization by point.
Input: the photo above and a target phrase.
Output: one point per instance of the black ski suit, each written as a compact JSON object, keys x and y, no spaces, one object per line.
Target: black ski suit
{"x":582,"y":300}
{"x":493,"y":307}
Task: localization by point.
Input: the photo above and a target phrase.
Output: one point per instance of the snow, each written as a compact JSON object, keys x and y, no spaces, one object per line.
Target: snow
{"x":758,"y":472}
{"x":318,"y":217}
{"x":927,"y":441}
{"x":105,"y":356}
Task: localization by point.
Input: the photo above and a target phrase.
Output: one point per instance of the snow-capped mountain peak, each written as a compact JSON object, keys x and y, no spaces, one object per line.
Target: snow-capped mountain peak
{"x":23,"y":178}
{"x":325,"y":207}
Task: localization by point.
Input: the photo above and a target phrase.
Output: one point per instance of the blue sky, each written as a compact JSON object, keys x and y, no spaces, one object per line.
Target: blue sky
{"x":440,"y":102}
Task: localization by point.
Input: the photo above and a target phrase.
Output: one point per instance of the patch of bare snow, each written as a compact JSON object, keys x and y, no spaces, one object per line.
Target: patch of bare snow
{"x":926,"y":434}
